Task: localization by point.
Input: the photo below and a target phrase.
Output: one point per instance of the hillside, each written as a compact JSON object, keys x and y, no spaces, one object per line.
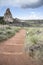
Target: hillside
{"x":24,"y":23}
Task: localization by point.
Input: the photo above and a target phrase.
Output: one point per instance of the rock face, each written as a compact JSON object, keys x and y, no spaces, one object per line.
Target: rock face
{"x":8,"y":16}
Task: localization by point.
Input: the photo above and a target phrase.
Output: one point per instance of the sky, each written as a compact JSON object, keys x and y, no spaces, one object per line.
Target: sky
{"x":23,"y":9}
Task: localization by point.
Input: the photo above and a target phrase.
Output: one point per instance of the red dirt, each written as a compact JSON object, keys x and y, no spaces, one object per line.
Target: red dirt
{"x":12,"y":51}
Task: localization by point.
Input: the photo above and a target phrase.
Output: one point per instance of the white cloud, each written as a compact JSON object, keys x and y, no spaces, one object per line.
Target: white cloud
{"x":22,"y":3}
{"x":33,"y":15}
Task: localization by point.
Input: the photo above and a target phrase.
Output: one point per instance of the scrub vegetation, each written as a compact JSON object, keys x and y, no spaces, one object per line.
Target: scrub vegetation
{"x":7,"y":31}
{"x":34,"y":42}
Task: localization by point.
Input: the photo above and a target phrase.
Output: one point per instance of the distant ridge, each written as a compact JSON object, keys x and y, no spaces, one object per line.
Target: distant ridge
{"x":8,"y":19}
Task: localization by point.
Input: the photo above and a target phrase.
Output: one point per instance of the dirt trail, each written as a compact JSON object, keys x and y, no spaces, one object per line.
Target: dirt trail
{"x":12,"y":51}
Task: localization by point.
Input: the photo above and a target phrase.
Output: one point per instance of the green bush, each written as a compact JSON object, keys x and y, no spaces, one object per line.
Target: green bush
{"x":2,"y":22}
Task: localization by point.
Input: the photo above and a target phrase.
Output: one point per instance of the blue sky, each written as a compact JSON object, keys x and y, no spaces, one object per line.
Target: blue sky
{"x":24,"y":9}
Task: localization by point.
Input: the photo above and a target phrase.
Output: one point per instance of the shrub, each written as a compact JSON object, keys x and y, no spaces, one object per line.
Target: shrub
{"x":2,"y":22}
{"x":34,"y":40}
